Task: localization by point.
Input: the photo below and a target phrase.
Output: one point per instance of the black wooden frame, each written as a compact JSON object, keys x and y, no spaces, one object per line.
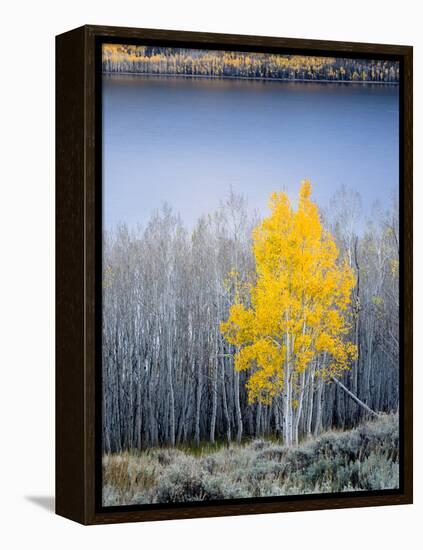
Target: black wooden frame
{"x":78,"y":270}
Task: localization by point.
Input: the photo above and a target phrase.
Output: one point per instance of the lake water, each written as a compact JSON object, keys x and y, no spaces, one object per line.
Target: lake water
{"x":187,"y":141}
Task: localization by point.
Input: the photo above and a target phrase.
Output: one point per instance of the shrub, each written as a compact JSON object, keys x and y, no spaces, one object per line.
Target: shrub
{"x":164,"y":457}
{"x":259,"y":444}
{"x":111,"y":496}
{"x":221,"y":487}
{"x":272,"y":452}
{"x":365,"y":458}
{"x":376,"y":474}
{"x":181,"y":482}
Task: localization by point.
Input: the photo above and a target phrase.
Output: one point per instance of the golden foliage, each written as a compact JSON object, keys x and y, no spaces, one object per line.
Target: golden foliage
{"x":162,"y":60}
{"x":297,"y":310}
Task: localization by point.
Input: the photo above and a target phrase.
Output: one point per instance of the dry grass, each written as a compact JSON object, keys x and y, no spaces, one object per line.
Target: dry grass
{"x":365,"y":458}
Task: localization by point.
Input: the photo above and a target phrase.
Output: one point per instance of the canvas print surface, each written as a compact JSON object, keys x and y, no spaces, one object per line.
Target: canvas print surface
{"x":250,"y":296}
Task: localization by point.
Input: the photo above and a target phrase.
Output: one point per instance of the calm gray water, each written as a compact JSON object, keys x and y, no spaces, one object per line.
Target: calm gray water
{"x":188,"y":140}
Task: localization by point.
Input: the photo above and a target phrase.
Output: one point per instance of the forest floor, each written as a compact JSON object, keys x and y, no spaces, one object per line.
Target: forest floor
{"x":364,"y":458}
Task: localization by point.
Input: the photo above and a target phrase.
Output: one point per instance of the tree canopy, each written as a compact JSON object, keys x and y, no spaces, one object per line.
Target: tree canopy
{"x":294,"y":314}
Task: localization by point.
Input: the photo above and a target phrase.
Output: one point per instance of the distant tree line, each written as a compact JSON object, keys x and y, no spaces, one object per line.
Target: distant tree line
{"x":194,"y":62}
{"x":168,"y":372}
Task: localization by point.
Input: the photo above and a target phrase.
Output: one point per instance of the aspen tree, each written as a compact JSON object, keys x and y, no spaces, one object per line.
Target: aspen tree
{"x":296,"y":318}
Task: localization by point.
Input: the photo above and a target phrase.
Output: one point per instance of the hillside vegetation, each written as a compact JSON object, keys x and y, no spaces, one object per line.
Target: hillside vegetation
{"x":365,"y":458}
{"x":125,"y":58}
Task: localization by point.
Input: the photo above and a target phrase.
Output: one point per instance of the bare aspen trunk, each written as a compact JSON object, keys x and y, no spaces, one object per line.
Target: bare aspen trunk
{"x":138,"y":399}
{"x":299,"y":408}
{"x":288,"y":396}
{"x":214,"y":402}
{"x":258,"y":420}
{"x":225,"y":405}
{"x":310,"y":404}
{"x":238,"y":414}
{"x":250,"y":420}
{"x":355,"y":398}
{"x":171,"y":406}
{"x":318,"y":423}
{"x":278,"y":430}
{"x":182,"y":420}
{"x":357,"y":319}
{"x":154,"y":439}
{"x":369,"y":365}
{"x":198,"y":404}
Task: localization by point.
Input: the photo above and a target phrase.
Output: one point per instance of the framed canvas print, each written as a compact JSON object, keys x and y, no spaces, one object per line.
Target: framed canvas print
{"x":234,"y":275}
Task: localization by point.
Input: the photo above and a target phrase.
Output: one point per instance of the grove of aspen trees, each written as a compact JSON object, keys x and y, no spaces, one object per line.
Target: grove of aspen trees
{"x":119,"y":58}
{"x":243,"y":328}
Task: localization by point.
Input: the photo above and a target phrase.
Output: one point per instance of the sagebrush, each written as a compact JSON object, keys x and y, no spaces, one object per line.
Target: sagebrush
{"x":365,"y":458}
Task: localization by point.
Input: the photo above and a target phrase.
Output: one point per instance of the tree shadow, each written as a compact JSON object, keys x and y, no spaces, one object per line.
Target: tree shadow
{"x":46,"y":502}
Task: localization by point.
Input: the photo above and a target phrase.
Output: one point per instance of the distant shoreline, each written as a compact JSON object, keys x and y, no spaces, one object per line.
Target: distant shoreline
{"x":223,"y":77}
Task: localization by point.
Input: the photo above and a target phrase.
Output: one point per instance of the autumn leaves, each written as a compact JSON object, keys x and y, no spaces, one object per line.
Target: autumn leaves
{"x":293,"y":319}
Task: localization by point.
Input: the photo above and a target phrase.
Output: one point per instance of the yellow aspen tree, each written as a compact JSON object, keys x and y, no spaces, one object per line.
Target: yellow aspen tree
{"x":295,"y":314}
